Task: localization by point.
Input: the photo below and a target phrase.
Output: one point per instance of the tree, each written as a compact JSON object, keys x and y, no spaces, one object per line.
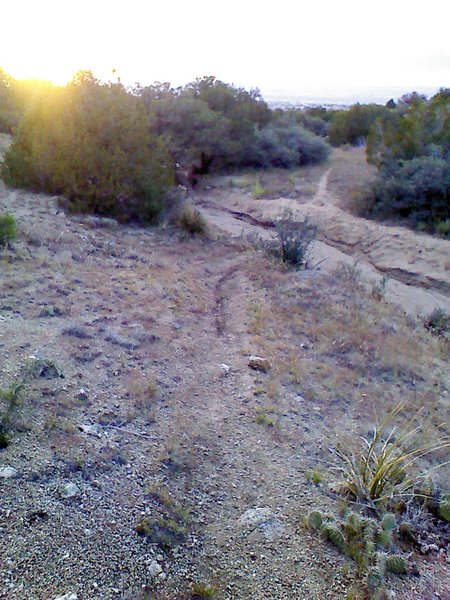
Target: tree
{"x":352,"y":126}
{"x":91,"y":143}
{"x":411,"y":148}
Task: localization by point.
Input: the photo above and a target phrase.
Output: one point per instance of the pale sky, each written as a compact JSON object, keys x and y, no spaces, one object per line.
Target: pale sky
{"x":293,"y":46}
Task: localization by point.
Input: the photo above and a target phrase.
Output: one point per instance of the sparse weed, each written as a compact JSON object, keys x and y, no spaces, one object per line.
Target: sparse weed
{"x":8,"y":229}
{"x":349,"y":272}
{"x":191,"y":221}
{"x":201,"y":591}
{"x":166,"y":533}
{"x":314,"y":476}
{"x":379,"y":288}
{"x":10,"y":401}
{"x":442,"y":228}
{"x":438,"y":322}
{"x":259,"y":190}
{"x":267,"y":417}
{"x":35,"y":368}
{"x":293,"y":241}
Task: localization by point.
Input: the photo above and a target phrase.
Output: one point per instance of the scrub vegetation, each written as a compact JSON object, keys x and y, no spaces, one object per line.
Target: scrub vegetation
{"x":117,"y":152}
{"x":246,"y":390}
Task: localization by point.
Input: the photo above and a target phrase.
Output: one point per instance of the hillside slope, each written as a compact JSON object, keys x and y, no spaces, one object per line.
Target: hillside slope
{"x":135,"y":347}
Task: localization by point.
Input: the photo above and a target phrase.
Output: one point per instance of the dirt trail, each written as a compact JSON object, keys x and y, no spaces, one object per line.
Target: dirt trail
{"x":417,"y":266}
{"x":321,"y":194}
{"x":147,"y":420}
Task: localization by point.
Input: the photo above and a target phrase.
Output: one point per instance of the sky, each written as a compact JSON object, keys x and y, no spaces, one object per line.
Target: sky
{"x":287,"y":47}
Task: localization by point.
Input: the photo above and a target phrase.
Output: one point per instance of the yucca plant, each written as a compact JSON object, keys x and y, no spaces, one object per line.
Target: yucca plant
{"x":376,"y":470}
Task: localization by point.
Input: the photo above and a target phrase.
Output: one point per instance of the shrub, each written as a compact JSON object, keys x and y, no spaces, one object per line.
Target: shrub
{"x":418,"y":189}
{"x":352,"y":126}
{"x":314,"y":124}
{"x":287,"y":145}
{"x":293,"y":242}
{"x":192,"y":221}
{"x":90,"y":143}
{"x":410,"y":146}
{"x":8,"y":229}
{"x":376,"y":469}
{"x":10,"y":402}
{"x":438,"y":322}
{"x":259,"y":190}
{"x":201,"y":591}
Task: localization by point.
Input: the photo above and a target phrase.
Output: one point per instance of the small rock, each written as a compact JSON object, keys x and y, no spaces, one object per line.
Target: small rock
{"x":68,"y":490}
{"x":258,"y":363}
{"x":255,"y":516}
{"x":261,"y":524}
{"x":67,"y":597}
{"x":7,"y":472}
{"x":91,"y":430}
{"x":154,"y":569}
{"x":225,"y":368}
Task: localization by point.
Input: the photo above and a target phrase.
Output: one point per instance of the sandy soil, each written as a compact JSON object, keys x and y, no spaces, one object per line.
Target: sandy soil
{"x":417,"y":265}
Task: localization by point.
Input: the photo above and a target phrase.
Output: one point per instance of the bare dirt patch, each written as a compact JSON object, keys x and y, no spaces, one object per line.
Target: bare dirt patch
{"x":416,"y":265}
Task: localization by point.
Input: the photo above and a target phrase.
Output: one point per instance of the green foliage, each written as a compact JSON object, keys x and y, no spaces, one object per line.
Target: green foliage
{"x":7,"y":110}
{"x":10,"y":402}
{"x":417,"y":189}
{"x":8,"y":229}
{"x":314,"y":476}
{"x":366,"y":542}
{"x":352,"y":126}
{"x":200,"y":591}
{"x":165,"y":532}
{"x":444,"y":508}
{"x":90,"y":143}
{"x":442,"y":228}
{"x":438,"y":322}
{"x":396,"y":564}
{"x":285,"y":144}
{"x":314,"y":520}
{"x":376,"y":469}
{"x":259,"y":190}
{"x":410,"y":145}
{"x":207,"y":124}
{"x":212,"y":125}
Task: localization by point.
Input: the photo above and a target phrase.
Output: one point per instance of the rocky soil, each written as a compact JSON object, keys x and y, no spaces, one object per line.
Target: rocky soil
{"x":150,"y":454}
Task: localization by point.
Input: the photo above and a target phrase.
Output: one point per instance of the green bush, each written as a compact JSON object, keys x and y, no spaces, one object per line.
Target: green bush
{"x":292,"y":243}
{"x":418,"y":189}
{"x":90,"y":143}
{"x":410,"y":145}
{"x":207,"y":124}
{"x":286,"y":145}
{"x":438,"y":322}
{"x":7,"y":104}
{"x":352,"y":126}
{"x":10,"y":403}
{"x":8,"y":229}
